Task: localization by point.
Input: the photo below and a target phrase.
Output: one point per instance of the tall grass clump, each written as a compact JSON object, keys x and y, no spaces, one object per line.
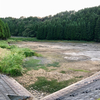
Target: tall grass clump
{"x":12,"y":64}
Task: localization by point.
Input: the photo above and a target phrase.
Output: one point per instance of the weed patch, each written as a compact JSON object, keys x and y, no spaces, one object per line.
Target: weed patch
{"x":50,"y":86}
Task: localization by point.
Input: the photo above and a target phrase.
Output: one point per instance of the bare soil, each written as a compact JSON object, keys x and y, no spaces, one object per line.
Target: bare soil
{"x":71,"y":57}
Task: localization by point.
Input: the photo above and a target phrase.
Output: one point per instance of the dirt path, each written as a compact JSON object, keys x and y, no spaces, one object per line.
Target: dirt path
{"x":75,"y":59}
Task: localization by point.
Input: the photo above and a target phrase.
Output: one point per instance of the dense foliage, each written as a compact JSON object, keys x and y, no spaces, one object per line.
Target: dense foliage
{"x":81,"y":25}
{"x":4,"y":30}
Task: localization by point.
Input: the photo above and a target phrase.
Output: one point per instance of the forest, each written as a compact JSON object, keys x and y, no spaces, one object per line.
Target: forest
{"x":69,"y":25}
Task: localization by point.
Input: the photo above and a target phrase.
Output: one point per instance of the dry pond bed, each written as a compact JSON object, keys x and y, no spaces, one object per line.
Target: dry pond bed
{"x":76,"y":60}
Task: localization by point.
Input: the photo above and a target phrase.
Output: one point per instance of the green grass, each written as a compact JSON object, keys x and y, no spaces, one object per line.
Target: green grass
{"x":12,"y":63}
{"x":54,"y":64}
{"x":78,"y":76}
{"x":23,"y":39}
{"x":52,"y":70}
{"x":24,"y":51}
{"x":80,"y":70}
{"x":4,"y":44}
{"x":98,"y":99}
{"x":50,"y":86}
{"x":64,"y":72}
{"x":33,"y":64}
{"x":37,"y":40}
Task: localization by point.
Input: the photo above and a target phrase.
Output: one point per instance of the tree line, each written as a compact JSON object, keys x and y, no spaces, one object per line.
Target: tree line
{"x":69,"y":25}
{"x":4,"y":30}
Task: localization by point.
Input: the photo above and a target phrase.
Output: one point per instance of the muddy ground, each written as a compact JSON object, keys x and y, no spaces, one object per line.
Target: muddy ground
{"x":76,"y":59}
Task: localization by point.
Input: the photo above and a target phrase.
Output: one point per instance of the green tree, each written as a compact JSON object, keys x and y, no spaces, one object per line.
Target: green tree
{"x":97,"y":30}
{"x":7,"y":31}
{"x":2,"y":35}
{"x":4,"y":30}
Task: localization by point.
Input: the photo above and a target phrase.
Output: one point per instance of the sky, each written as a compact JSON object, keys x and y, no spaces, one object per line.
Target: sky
{"x":42,"y":8}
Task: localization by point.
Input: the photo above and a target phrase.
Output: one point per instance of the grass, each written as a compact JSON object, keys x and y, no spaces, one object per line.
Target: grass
{"x":64,"y":72}
{"x":33,"y":64}
{"x":54,"y":64}
{"x":36,"y":40}
{"x":11,"y":63}
{"x":78,"y":76}
{"x":4,"y":44}
{"x":3,"y":52}
{"x":23,"y":39}
{"x":80,"y":70}
{"x":98,"y":99}
{"x":50,"y":86}
{"x":52,"y":70}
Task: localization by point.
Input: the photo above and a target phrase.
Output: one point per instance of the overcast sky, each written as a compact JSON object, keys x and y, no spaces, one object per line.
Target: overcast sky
{"x":41,"y":8}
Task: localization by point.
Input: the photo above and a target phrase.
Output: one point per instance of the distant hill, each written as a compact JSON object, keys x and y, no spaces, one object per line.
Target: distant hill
{"x":81,"y":25}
